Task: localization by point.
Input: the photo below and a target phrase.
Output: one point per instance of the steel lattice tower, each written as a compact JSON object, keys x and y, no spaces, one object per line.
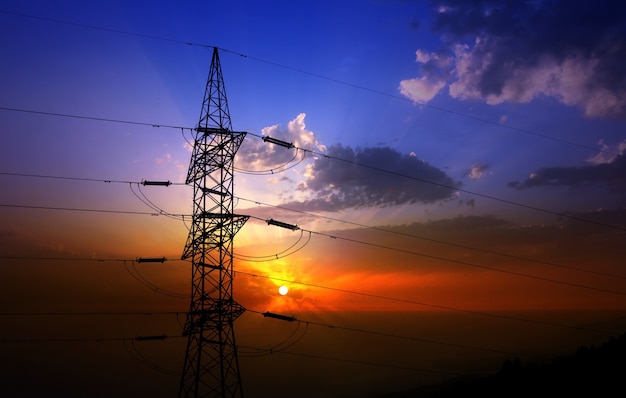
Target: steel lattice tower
{"x":211,"y":367}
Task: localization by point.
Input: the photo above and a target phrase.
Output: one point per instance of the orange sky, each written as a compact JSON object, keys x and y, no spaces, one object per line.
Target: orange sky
{"x":552,"y":280}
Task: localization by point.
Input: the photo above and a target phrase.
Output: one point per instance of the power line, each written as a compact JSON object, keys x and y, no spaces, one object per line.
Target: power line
{"x":395,"y":336}
{"x":461,"y":262}
{"x":453,"y":188}
{"x":337,"y":359}
{"x":99,"y":119}
{"x":143,"y":213}
{"x":314,"y":285}
{"x":92,"y":313}
{"x":316,"y":75}
{"x":159,"y":211}
{"x":379,"y":169}
{"x":433,"y":257}
{"x":86,"y":339}
{"x":420,"y":303}
{"x":380,"y":229}
{"x":326,"y":325}
{"x":405,"y":251}
{"x":165,"y":337}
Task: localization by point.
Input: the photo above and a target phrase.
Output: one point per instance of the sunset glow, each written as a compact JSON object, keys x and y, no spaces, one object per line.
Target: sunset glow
{"x":429,"y":188}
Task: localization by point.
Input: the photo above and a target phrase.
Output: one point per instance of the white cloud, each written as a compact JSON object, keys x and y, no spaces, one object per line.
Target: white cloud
{"x":259,"y":155}
{"x":495,"y":52}
{"x":420,"y":90}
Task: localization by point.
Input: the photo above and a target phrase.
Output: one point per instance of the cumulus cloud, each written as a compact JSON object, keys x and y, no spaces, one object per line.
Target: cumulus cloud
{"x":371,"y":177}
{"x":518,"y":51}
{"x":612,"y":174}
{"x":434,"y":75}
{"x":340,"y":177}
{"x":257,"y":155}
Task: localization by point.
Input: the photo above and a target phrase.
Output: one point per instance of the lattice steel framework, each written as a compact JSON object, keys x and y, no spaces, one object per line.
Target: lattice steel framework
{"x":211,"y":367}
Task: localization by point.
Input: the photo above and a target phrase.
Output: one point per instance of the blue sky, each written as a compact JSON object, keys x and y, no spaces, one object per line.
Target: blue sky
{"x":492,"y":131}
{"x":414,"y":77}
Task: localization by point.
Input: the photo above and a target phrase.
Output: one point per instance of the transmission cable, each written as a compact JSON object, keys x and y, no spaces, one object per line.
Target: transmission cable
{"x":433,"y":257}
{"x":132,"y":350}
{"x":398,"y":174}
{"x":250,"y":258}
{"x":391,"y":335}
{"x":143,"y":213}
{"x":461,"y":262}
{"x":318,"y":286}
{"x":333,"y":80}
{"x":447,"y":243}
{"x":276,"y":256}
{"x":291,"y":163}
{"x":453,"y":188}
{"x":423,"y":304}
{"x":145,"y":200}
{"x":141,"y":279}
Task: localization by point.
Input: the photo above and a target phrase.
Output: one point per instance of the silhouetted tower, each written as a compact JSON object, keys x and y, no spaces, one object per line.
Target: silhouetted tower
{"x":211,"y":367}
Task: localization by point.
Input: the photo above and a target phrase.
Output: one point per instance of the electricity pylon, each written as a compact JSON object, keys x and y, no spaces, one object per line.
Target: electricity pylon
{"x":211,"y":367}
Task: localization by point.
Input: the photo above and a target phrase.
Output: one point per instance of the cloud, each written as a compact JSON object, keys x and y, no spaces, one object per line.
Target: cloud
{"x":607,"y":154}
{"x":371,"y":177}
{"x":611,"y":174}
{"x":258,"y":155}
{"x":435,"y":72}
{"x":420,"y":89}
{"x":518,"y":51}
{"x":477,"y":171}
{"x":339,"y":177}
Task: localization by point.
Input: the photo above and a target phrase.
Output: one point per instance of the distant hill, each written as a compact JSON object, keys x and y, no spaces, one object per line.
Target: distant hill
{"x":590,"y":371}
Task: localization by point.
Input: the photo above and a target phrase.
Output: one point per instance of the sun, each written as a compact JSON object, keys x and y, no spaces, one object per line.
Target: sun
{"x":283,"y":290}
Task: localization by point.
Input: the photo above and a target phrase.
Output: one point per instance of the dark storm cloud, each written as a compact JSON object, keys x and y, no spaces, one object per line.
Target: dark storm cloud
{"x":516,"y":51}
{"x":372,"y":177}
{"x":612,"y":174}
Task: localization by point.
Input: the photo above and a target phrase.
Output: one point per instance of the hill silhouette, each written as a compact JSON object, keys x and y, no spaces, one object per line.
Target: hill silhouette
{"x":590,"y":371}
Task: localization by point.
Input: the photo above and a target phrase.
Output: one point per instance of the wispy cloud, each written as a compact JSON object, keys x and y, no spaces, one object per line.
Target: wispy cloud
{"x":611,"y":174}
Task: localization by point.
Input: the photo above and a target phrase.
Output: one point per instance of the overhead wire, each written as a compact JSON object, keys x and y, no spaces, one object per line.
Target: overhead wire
{"x":357,"y":362}
{"x":292,"y":249}
{"x":470,"y":264}
{"x":141,"y":279}
{"x":424,"y":304}
{"x":129,"y":344}
{"x":99,"y":119}
{"x":131,"y":348}
{"x":288,"y":342}
{"x":427,"y":239}
{"x":133,"y":212}
{"x":295,"y":282}
{"x":159,"y":211}
{"x":459,"y":189}
{"x":93,"y":313}
{"x":145,"y":200}
{"x":291,"y":163}
{"x":395,"y":336}
{"x":371,"y":244}
{"x":316,"y":75}
{"x":403,"y":175}
{"x":132,"y":340}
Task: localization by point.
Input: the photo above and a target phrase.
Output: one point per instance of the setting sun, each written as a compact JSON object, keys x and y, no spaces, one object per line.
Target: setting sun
{"x":283,"y":290}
